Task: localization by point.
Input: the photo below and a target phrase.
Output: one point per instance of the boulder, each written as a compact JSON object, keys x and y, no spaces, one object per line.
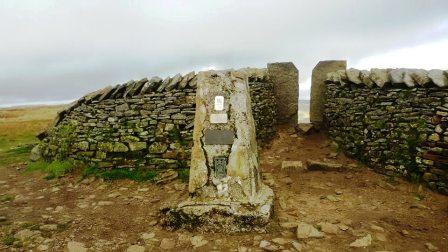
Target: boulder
{"x":36,"y":153}
{"x":135,"y":248}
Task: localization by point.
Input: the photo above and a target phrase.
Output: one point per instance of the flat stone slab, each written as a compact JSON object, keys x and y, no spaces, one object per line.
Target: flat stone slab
{"x":323,"y":166}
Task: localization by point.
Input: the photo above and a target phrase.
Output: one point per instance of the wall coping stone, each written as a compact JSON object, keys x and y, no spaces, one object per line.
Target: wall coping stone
{"x":383,"y":78}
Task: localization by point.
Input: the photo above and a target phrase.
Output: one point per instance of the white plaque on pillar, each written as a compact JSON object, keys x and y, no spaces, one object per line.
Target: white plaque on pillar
{"x":219,"y":103}
{"x":218,"y":118}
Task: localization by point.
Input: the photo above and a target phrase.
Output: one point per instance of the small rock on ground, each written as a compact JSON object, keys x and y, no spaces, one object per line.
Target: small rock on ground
{"x":293,"y":166}
{"x":135,"y":248}
{"x":73,"y":246}
{"x":328,"y":228}
{"x":167,"y":243}
{"x":42,"y":247}
{"x":49,"y":227}
{"x":305,"y":231}
{"x":268,"y":246}
{"x":105,"y":203}
{"x":198,"y":241}
{"x":323,"y":166}
{"x":431,"y":247}
{"x":362,"y":242}
{"x":297,"y":246}
{"x":147,"y":236}
{"x":280,"y":241}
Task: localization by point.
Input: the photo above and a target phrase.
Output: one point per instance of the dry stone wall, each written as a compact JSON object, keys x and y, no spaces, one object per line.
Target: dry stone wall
{"x":395,"y":120}
{"x":146,"y":123}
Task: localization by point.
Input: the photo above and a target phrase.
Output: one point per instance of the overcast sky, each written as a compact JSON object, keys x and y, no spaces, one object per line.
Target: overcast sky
{"x":53,"y":51}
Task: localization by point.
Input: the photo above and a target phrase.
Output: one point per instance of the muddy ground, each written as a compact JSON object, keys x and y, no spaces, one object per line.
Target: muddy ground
{"x":38,"y":214}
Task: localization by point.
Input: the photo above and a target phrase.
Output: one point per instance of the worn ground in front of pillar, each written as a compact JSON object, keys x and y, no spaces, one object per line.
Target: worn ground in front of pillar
{"x":397,"y":214}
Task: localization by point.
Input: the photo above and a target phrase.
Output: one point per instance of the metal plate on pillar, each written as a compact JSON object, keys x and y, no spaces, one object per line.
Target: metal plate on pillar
{"x":220,"y":167}
{"x":220,"y":137}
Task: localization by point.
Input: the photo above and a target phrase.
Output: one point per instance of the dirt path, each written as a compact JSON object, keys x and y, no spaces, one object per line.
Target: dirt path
{"x":112,"y":216}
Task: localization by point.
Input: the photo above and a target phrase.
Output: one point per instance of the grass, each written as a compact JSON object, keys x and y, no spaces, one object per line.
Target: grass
{"x":116,"y":173}
{"x":6,"y":197}
{"x":15,"y":155}
{"x":9,"y":240}
{"x":18,"y":127}
{"x":184,"y":175}
{"x":30,"y":226}
{"x":54,"y":169}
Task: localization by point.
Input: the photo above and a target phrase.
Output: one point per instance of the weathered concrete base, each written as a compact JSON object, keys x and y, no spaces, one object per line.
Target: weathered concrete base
{"x":221,"y":215}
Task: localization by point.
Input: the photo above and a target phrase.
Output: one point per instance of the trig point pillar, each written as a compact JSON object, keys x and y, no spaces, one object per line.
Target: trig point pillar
{"x":227,"y":193}
{"x":285,"y":77}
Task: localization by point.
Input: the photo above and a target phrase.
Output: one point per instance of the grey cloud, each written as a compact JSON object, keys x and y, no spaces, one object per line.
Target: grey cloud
{"x":59,"y":50}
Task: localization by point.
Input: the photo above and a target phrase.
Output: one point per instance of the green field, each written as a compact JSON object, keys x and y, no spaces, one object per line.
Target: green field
{"x":18,"y":129}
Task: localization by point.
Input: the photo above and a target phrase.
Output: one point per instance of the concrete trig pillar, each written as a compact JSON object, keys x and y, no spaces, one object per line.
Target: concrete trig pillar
{"x":228,"y":194}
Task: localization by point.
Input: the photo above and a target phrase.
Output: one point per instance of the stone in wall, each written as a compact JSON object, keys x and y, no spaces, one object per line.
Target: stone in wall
{"x":398,"y":125}
{"x":318,"y":88}
{"x":285,"y":78}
